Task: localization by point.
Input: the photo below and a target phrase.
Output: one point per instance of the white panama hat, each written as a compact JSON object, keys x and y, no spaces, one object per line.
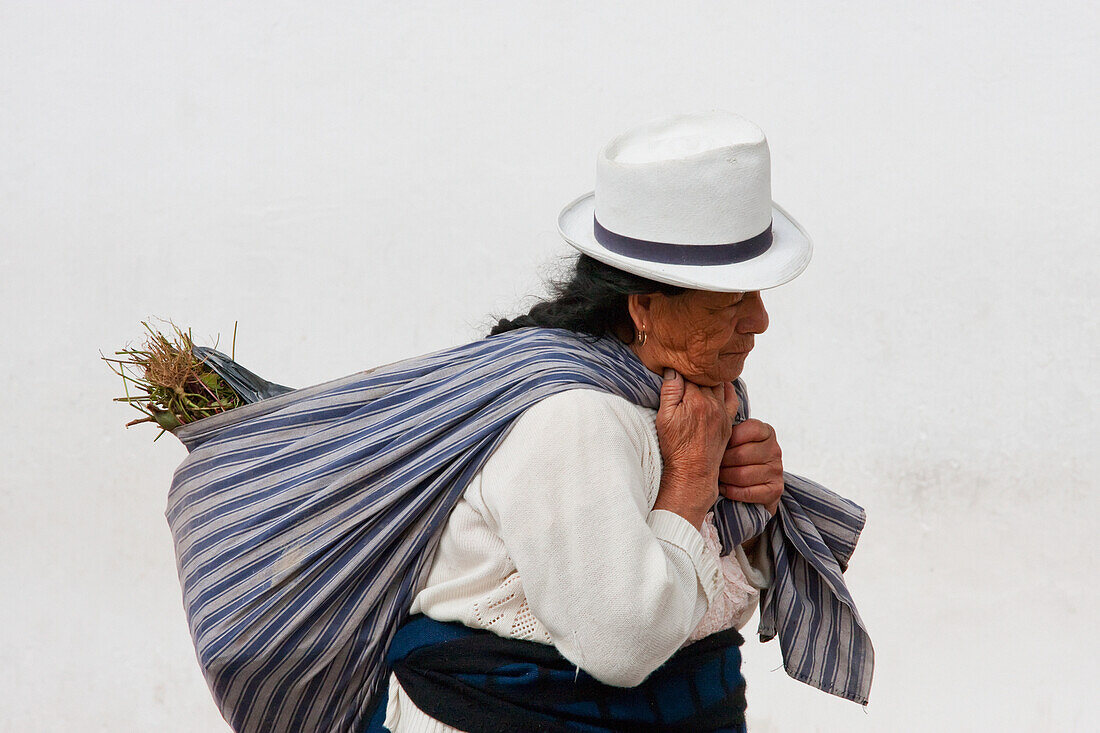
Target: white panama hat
{"x":686,"y":200}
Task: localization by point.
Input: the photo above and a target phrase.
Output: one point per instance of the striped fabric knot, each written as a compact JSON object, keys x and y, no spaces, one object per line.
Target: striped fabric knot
{"x":304,"y":522}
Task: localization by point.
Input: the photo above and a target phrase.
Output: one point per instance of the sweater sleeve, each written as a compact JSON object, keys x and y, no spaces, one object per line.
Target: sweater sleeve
{"x":618,"y":587}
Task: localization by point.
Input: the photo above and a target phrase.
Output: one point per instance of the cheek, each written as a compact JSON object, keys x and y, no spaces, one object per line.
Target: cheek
{"x":698,"y":341}
{"x":711,"y":340}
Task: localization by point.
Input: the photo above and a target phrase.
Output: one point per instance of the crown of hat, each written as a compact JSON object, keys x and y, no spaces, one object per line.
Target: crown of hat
{"x":693,"y":179}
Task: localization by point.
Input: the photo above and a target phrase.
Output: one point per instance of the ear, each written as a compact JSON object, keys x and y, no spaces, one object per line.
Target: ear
{"x":640,"y":306}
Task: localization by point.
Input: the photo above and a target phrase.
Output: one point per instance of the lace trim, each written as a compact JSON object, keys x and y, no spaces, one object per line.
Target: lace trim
{"x":735,"y":603}
{"x":505,"y":611}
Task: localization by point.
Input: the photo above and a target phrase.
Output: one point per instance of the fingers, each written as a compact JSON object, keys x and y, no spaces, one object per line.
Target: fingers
{"x":766,"y":494}
{"x":715,"y":392}
{"x":757,"y":494}
{"x":733,"y":404}
{"x":751,"y":431}
{"x":751,"y":475}
{"x":749,"y":454}
{"x":693,"y":390}
{"x":672,"y":388}
{"x":752,"y":465}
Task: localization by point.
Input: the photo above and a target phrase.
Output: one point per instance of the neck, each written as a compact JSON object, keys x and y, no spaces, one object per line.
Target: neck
{"x":639,"y":352}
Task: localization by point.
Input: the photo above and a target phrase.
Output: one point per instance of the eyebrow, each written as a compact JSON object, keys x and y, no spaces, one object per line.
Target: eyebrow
{"x":729,"y":299}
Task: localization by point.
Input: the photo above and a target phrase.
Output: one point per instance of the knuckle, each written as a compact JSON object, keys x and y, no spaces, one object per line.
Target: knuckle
{"x":734,"y":492}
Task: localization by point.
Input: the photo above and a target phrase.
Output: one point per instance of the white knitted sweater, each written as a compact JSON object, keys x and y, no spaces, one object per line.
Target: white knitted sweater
{"x":555,"y":541}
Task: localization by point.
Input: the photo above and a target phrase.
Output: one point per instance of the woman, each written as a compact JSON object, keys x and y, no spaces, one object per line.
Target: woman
{"x":589,"y":528}
{"x":539,"y":500}
{"x":553,"y":490}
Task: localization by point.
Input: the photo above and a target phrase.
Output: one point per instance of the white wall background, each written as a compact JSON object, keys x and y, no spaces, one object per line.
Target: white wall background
{"x":359,"y":182}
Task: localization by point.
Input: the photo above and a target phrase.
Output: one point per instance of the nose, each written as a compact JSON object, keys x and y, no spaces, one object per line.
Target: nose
{"x":754,"y":319}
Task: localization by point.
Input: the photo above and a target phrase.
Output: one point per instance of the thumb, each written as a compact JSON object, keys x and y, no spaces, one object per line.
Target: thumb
{"x":733,"y":404}
{"x":672,"y":388}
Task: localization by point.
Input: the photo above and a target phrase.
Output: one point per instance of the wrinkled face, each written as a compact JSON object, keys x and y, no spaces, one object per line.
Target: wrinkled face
{"x":704,"y":335}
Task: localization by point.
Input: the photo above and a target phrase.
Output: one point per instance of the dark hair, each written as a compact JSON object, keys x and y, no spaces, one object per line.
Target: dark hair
{"x":591,"y":299}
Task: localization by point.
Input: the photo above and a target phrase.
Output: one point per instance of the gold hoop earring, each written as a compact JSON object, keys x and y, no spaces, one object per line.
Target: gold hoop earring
{"x":641,"y":338}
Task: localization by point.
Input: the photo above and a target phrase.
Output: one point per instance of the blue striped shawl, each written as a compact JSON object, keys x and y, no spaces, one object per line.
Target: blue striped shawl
{"x":304,"y":522}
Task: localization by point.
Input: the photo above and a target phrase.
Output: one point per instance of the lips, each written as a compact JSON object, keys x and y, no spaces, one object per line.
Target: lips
{"x":738,"y":353}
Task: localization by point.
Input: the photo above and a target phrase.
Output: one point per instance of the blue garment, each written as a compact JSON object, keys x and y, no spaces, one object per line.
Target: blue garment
{"x":302,"y":525}
{"x":474,"y":680}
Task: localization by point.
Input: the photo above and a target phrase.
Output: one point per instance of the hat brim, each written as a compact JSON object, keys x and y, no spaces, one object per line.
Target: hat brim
{"x":783,"y":261}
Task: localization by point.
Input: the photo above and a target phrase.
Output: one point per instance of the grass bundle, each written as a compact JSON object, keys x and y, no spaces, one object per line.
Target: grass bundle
{"x":171,"y":387}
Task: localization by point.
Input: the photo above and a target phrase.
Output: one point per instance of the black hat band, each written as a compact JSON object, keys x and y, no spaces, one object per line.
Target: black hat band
{"x":683,"y":254}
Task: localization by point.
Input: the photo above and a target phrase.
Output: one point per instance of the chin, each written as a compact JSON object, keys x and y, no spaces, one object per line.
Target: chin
{"x":710,"y":380}
{"x":736,"y":366}
{"x":727,"y":368}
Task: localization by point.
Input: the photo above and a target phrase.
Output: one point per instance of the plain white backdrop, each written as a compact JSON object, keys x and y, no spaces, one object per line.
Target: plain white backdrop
{"x":354,"y":183}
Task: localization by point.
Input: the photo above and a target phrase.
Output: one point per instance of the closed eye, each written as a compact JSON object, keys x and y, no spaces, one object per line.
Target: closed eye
{"x":723,"y":308}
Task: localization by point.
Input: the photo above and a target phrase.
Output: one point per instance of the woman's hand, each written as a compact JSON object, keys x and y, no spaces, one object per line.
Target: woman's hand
{"x":693,"y":429}
{"x":752,"y":465}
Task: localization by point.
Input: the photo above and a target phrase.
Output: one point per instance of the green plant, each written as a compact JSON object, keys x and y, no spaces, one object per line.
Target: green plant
{"x":172,"y":386}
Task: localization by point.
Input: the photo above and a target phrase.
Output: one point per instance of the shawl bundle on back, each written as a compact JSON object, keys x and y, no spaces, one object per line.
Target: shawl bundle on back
{"x":303,"y":523}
